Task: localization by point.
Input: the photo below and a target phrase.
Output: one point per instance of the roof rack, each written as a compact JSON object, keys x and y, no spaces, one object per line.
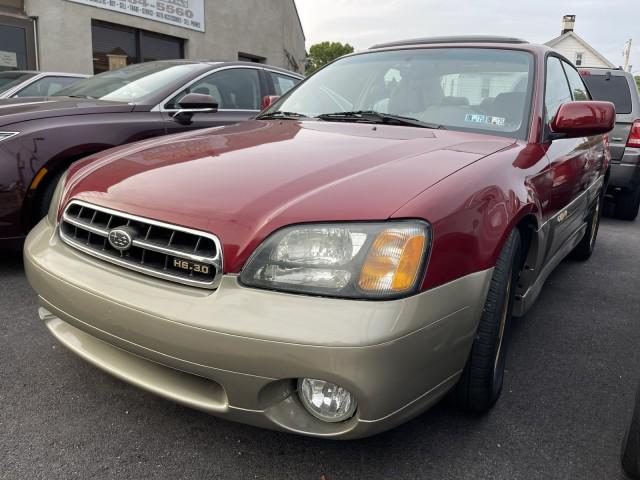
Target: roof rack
{"x":451,"y":39}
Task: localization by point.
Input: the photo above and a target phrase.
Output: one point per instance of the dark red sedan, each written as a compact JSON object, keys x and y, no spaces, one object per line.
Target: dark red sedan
{"x":338,"y":265}
{"x":41,"y":136}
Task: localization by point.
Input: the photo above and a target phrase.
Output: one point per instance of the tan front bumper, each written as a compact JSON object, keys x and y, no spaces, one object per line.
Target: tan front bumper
{"x":237,"y":352}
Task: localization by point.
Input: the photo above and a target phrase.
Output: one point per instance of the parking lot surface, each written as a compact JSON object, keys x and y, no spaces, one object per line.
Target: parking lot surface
{"x":573,"y":367}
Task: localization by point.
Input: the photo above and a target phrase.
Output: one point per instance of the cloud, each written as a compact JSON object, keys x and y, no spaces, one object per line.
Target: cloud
{"x":605,"y":25}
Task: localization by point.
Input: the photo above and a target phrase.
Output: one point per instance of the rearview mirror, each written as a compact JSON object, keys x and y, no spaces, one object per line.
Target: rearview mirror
{"x":583,"y":119}
{"x":193,"y":103}
{"x":269,"y":100}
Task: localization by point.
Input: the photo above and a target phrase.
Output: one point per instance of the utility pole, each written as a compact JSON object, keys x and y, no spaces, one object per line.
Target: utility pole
{"x":626,"y":53}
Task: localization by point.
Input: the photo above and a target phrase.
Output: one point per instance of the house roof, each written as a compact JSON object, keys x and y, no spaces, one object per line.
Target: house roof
{"x":575,"y":36}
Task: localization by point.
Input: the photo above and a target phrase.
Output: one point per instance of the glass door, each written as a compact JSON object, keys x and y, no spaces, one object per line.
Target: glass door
{"x":17,"y":44}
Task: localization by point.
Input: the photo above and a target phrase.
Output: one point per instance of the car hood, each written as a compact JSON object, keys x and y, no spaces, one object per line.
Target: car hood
{"x":244,"y":181}
{"x":16,"y":110}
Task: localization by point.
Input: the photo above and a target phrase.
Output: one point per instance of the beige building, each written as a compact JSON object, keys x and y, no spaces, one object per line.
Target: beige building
{"x":577,"y":49}
{"x":90,"y":36}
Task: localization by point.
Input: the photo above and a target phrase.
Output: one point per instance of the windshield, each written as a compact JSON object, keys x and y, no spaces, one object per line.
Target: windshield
{"x":465,"y":89}
{"x":130,"y":84}
{"x":9,"y":80}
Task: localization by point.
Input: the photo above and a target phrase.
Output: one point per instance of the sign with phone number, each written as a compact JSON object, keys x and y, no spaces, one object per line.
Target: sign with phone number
{"x":182,"y":13}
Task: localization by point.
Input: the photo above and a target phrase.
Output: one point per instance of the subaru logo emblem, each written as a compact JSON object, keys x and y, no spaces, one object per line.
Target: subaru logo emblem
{"x":121,"y":238}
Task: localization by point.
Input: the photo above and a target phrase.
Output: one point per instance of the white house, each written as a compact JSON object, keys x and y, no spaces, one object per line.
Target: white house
{"x":575,"y":48}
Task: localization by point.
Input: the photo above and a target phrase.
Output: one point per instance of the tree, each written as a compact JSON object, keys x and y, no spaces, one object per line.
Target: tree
{"x":638,"y":82}
{"x":322,"y":53}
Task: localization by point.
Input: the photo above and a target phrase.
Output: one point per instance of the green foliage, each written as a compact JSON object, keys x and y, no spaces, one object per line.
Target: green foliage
{"x":322,"y":53}
{"x":638,"y":82}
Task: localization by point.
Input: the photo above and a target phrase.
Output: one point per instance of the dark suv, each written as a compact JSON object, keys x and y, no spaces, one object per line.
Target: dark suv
{"x":620,"y":88}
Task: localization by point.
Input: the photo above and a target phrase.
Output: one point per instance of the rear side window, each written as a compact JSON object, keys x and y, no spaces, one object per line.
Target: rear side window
{"x":283,"y":83}
{"x":578,"y":89}
{"x":557,"y":90}
{"x":610,"y":88}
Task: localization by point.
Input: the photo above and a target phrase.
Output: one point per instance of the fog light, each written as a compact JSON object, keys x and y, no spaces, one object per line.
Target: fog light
{"x":327,"y":401}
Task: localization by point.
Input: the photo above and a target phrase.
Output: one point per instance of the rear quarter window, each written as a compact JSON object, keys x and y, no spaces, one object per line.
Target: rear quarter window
{"x":576,"y":84}
{"x":283,"y":83}
{"x":615,"y":89}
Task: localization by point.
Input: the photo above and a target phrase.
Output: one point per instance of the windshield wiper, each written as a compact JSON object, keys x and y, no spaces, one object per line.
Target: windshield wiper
{"x":371,"y":116}
{"x":281,"y":115}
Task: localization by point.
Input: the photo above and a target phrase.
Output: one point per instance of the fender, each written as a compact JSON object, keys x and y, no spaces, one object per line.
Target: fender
{"x":48,"y":171}
{"x":503,"y":194}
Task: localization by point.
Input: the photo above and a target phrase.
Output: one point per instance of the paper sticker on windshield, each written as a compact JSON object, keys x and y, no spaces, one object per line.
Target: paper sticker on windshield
{"x":484,"y":119}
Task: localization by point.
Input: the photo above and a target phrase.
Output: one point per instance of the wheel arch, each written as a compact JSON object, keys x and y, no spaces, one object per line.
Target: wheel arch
{"x":52,"y":168}
{"x":531,"y":252}
{"x":529,"y":224}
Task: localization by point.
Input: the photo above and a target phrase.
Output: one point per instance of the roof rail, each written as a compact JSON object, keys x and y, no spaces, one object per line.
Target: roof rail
{"x":451,"y":39}
{"x":584,"y":67}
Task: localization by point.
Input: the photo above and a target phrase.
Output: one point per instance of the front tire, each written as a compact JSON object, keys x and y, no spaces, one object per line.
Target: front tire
{"x":482,"y":378}
{"x":42,"y":207}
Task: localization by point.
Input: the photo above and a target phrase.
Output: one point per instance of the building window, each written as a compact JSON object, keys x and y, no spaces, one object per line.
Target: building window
{"x":17,"y":44}
{"x":486,"y":87}
{"x":578,"y":59}
{"x":13,"y":53}
{"x":247,"y":57}
{"x":116,"y":46}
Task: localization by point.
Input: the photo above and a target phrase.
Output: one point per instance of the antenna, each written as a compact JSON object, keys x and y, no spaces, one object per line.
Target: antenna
{"x":626,"y":53}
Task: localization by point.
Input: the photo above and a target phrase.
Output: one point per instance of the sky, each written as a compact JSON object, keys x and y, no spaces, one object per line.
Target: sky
{"x":605,"y":24}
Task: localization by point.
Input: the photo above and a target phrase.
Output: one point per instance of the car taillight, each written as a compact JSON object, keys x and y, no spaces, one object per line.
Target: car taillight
{"x":634,"y":136}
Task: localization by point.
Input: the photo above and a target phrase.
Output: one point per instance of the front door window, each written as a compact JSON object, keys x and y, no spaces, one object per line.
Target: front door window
{"x":232,"y":89}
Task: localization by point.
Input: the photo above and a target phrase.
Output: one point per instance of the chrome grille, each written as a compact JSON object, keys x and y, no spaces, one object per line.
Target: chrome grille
{"x":158,"y":249}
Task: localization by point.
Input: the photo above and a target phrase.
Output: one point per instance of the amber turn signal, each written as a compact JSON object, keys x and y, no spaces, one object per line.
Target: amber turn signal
{"x":394,"y":260}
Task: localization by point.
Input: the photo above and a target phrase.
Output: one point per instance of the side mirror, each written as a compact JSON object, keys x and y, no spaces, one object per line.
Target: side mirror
{"x":269,"y":100}
{"x":193,"y":103}
{"x":583,"y":119}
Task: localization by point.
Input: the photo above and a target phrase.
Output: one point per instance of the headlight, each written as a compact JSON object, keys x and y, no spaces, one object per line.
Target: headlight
{"x":55,"y":200}
{"x":5,"y":135}
{"x":357,"y":260}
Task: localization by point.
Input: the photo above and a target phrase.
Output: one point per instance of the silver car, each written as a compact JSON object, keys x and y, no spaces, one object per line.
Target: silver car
{"x":20,"y":83}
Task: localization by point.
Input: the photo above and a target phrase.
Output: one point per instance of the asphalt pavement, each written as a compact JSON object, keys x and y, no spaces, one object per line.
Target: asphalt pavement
{"x":573,"y":367}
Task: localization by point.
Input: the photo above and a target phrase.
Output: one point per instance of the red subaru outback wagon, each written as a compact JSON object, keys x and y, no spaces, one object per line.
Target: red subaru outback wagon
{"x":342,"y":262}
